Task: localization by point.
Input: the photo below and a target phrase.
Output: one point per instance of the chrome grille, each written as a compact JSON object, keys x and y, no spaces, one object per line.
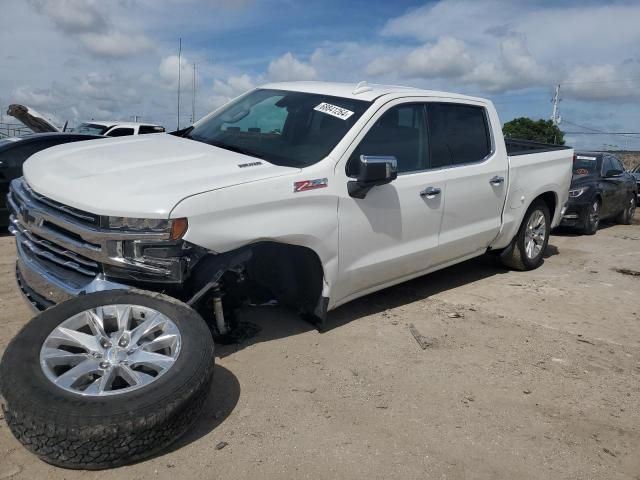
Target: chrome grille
{"x":46,"y":250}
{"x":41,"y":227}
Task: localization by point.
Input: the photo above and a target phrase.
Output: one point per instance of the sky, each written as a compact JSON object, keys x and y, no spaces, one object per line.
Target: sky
{"x":77,"y":60}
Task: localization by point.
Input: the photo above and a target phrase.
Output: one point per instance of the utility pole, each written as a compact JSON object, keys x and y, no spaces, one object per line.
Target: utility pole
{"x":179,"y":61}
{"x":193,"y":100}
{"x":555,"y":115}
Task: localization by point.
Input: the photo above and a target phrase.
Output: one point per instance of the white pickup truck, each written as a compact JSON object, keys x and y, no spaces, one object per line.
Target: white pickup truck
{"x":309,"y":193}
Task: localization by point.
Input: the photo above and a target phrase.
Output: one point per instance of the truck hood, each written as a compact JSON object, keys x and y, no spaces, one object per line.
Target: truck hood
{"x":139,"y":176}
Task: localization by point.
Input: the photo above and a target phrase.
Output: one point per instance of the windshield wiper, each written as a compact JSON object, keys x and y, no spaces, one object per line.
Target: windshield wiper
{"x":234,"y":148}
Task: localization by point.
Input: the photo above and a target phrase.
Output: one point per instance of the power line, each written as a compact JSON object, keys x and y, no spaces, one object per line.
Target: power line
{"x":595,"y":131}
{"x":601,"y":133}
{"x":621,"y":80}
{"x":582,"y":126}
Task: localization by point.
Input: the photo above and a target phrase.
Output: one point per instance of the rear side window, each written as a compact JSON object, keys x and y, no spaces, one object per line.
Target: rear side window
{"x":617,"y":164}
{"x":120,"y":132}
{"x":458,"y":134}
{"x":149,"y":129}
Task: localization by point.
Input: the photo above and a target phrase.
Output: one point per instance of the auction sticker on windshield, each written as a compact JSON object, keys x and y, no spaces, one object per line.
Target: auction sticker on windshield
{"x":333,"y":110}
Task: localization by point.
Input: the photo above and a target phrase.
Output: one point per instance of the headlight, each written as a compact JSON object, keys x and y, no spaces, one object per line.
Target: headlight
{"x":126,"y":223}
{"x":576,"y":192}
{"x":176,"y":227}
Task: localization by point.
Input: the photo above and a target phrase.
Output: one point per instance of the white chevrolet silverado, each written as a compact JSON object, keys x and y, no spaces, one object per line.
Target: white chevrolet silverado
{"x":308,"y":194}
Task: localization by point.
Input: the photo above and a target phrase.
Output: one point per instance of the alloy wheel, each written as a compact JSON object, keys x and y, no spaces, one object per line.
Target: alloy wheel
{"x":535,"y":234}
{"x":594,"y":215}
{"x":110,"y":350}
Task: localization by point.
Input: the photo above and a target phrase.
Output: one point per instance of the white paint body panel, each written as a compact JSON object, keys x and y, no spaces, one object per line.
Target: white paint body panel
{"x":388,"y":237}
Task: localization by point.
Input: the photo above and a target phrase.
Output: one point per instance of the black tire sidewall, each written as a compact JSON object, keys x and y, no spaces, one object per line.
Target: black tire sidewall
{"x":530,"y":264}
{"x":25,"y":387}
{"x":590,"y":228}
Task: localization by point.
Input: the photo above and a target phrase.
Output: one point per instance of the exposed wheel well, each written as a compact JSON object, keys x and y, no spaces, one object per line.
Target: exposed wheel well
{"x":291,"y":274}
{"x":550,"y":199}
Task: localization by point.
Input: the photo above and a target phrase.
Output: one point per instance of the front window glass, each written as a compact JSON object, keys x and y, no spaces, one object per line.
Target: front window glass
{"x":585,"y":165}
{"x":293,"y":129}
{"x":91,"y":128}
{"x":400,"y":132}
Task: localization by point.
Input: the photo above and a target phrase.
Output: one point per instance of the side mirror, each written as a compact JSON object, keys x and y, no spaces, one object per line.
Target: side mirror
{"x":613,"y":173}
{"x":373,"y":171}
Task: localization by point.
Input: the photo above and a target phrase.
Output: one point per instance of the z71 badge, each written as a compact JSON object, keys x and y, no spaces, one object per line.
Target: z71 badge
{"x":304,"y":185}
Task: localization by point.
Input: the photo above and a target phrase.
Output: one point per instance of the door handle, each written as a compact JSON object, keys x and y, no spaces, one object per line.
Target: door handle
{"x":430,"y":192}
{"x":495,"y":181}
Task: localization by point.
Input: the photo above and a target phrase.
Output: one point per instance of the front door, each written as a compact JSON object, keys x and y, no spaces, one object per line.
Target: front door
{"x":611,"y":188}
{"x":391,"y":234}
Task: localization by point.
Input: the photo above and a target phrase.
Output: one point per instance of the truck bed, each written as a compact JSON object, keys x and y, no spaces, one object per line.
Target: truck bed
{"x":516,"y":146}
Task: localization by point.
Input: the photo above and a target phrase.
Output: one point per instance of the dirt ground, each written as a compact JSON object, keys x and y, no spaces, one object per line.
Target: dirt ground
{"x":528,"y":375}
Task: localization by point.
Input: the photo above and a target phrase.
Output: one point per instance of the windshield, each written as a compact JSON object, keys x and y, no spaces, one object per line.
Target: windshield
{"x":291,"y":129}
{"x":91,"y":128}
{"x":585,"y":165}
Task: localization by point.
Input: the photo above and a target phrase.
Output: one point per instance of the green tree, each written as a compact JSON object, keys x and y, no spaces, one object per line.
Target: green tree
{"x":539,"y":131}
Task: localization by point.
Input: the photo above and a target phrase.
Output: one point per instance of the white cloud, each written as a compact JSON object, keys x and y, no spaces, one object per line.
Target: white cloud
{"x":288,"y":67}
{"x":233,"y":86}
{"x":601,"y":83}
{"x":92,"y":27}
{"x":447,"y":57}
{"x":115,"y":44}
{"x":72,"y":16}
{"x":515,"y":68}
{"x":168,"y":70}
{"x":224,"y":91}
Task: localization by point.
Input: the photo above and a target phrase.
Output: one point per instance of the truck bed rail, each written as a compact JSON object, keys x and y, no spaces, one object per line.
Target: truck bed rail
{"x":524,"y":147}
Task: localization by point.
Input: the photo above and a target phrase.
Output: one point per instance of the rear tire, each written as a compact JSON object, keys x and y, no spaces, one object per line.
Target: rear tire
{"x":526,"y":251}
{"x":90,"y":429}
{"x":625,"y":217}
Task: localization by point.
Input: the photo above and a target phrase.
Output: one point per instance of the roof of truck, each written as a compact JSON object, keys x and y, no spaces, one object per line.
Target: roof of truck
{"x":361,"y":91}
{"x":114,"y":123}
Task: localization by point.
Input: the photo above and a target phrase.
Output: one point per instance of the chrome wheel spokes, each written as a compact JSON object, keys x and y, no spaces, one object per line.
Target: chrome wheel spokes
{"x":535,"y":234}
{"x":110,"y":350}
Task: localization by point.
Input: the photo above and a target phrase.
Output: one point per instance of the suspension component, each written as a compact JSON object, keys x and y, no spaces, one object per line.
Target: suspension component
{"x":218,"y":311}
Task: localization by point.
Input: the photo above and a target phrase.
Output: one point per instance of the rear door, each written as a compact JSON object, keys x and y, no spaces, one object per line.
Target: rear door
{"x":463,"y":151}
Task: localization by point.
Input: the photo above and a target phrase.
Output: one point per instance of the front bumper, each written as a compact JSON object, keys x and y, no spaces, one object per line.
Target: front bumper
{"x":575,"y":215}
{"x":61,"y":254}
{"x":43,"y":288}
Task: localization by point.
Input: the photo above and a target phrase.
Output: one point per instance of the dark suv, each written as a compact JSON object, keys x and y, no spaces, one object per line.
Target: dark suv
{"x":600,"y":189}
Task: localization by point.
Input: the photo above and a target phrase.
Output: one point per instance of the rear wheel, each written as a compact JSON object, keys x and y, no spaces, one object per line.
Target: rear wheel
{"x":626,"y":216}
{"x":107,"y":378}
{"x":526,"y":251}
{"x":592,"y":222}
